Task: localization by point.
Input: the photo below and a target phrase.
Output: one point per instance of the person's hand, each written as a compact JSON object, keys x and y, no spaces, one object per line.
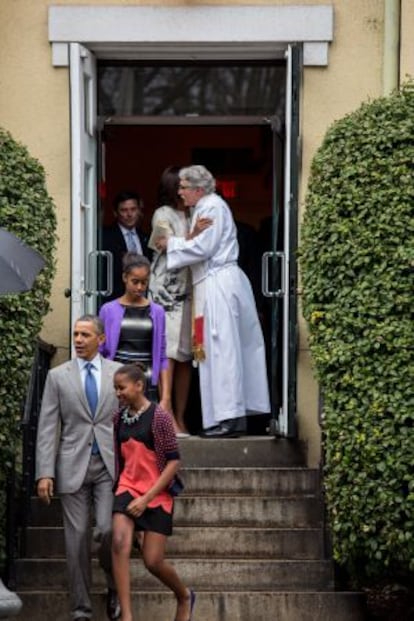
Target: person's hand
{"x":161,"y":244}
{"x":166,"y":405}
{"x":137,"y":506}
{"x":45,"y":490}
{"x":200,"y":225}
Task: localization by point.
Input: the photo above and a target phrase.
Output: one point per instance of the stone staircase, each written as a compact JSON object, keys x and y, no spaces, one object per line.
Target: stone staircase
{"x":248,"y":539}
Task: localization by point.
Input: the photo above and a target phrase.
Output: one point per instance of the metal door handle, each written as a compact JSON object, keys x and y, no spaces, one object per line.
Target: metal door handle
{"x":92,"y":263}
{"x":265,"y":275}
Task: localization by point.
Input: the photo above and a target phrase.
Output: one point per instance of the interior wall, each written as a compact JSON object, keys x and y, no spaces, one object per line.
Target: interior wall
{"x":136,"y":155}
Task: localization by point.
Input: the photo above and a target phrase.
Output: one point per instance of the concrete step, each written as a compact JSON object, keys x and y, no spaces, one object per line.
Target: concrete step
{"x":203,"y":575}
{"x":217,"y":606}
{"x":228,"y":542}
{"x":256,"y":481}
{"x":248,"y":451}
{"x":248,"y":538}
{"x":260,"y":511}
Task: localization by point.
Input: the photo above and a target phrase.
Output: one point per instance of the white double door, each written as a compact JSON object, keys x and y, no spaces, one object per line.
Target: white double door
{"x":84,"y":248}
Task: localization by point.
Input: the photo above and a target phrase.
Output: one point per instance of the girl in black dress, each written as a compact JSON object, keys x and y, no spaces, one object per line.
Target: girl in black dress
{"x":147,"y":460}
{"x":135,"y":329}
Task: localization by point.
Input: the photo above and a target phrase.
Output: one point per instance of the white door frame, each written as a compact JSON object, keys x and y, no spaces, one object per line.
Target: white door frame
{"x":82,"y":70}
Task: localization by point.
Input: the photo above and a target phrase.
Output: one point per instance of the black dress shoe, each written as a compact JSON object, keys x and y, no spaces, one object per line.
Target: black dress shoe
{"x":113,"y":609}
{"x":231,"y":428}
{"x":208,"y":430}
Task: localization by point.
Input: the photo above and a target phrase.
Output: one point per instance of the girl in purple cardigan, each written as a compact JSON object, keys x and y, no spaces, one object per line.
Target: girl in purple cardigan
{"x":135,"y":329}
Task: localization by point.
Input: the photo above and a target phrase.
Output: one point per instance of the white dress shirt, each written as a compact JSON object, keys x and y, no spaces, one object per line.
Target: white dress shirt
{"x":96,"y":370}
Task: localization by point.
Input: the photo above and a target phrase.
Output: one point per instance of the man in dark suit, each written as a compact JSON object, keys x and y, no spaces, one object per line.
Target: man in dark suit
{"x":75,"y":458}
{"x":123,"y":236}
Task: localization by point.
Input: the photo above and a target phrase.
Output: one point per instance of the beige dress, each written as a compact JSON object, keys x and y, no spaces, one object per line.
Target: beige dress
{"x":172,"y":288}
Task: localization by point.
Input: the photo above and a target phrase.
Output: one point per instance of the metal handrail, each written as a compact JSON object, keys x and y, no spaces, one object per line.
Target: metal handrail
{"x":20,"y":483}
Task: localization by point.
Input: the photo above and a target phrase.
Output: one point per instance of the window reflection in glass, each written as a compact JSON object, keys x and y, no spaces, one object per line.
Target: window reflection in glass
{"x":179,"y":90}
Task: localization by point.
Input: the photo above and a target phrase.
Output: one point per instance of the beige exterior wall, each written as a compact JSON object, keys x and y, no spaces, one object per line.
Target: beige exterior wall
{"x":354,"y":73}
{"x":407,"y":40}
{"x":34,"y":107}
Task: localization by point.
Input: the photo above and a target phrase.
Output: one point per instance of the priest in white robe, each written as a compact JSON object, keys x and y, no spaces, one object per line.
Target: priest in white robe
{"x":227,"y":335}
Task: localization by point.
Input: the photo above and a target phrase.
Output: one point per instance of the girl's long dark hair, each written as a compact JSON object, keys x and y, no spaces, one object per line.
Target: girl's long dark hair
{"x":130,"y":260}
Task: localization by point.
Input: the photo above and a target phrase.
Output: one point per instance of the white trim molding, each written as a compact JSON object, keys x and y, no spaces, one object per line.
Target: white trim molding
{"x":191,"y":32}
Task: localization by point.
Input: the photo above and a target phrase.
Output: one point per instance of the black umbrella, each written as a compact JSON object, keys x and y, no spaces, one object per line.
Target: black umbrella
{"x":19,"y":264}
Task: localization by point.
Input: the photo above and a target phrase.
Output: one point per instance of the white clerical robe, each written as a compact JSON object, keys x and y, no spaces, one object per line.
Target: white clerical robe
{"x":233,"y":377}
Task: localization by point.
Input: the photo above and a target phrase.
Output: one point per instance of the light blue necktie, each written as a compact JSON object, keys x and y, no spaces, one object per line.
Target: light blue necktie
{"x":91,"y":391}
{"x":132,"y":246}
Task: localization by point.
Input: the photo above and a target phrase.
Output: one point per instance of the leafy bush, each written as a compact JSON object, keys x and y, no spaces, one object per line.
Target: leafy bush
{"x":357,"y":259}
{"x":27,"y":211}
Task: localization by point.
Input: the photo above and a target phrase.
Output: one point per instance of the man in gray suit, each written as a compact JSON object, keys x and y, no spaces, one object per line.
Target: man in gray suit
{"x":75,"y":458}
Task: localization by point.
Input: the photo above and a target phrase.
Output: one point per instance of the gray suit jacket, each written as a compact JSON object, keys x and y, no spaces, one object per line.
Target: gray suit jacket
{"x":66,"y":428}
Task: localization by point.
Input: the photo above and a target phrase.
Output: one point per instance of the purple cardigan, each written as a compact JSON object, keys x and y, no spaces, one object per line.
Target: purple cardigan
{"x":112,"y":314}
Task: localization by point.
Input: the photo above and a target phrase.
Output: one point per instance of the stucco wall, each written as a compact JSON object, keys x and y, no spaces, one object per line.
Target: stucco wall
{"x":354,"y":74}
{"x":407,"y":40}
{"x":34,"y":106}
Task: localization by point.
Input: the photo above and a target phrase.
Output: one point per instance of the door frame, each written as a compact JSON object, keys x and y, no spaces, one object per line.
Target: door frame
{"x":283,"y":417}
{"x":83,"y":105}
{"x":287,"y":418}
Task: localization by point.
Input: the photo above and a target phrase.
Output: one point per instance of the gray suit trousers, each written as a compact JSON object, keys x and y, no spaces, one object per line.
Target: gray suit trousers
{"x":93,"y":499}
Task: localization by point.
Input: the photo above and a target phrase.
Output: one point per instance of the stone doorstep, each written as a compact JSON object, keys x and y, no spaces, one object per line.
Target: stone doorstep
{"x":247,"y":496}
{"x":282,"y":512}
{"x":192,"y":541}
{"x":285,"y":482}
{"x":254,"y":481}
{"x":264,"y":503}
{"x":208,"y":574}
{"x":245,"y":451}
{"x":210,"y":606}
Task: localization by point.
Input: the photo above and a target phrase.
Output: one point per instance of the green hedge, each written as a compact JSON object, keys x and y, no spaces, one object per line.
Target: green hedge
{"x":26,"y":210}
{"x":357,"y":262}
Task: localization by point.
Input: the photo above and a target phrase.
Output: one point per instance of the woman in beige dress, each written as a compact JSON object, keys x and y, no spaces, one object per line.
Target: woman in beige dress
{"x":172,"y":290}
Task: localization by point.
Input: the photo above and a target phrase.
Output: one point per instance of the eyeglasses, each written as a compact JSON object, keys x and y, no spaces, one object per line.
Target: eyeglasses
{"x":185,"y":187}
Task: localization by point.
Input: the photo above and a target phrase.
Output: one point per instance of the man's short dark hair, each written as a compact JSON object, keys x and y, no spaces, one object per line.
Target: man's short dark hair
{"x":126,"y":195}
{"x":95,"y":320}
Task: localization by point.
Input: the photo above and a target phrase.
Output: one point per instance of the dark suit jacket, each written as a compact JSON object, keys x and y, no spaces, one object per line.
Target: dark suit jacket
{"x":113,"y":240}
